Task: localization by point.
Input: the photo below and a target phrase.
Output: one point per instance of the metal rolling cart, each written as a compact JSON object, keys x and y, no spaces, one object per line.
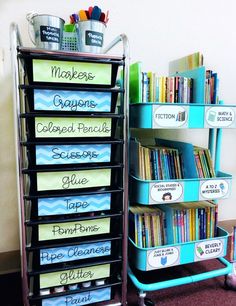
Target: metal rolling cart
{"x":34,"y":223}
{"x":154,"y":260}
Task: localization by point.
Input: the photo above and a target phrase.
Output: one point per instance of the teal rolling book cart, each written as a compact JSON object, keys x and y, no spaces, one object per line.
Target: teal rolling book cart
{"x":71,"y":123}
{"x":146,"y":263}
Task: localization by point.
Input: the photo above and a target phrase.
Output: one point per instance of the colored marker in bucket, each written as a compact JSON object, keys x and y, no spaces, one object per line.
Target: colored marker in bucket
{"x":90,"y":25}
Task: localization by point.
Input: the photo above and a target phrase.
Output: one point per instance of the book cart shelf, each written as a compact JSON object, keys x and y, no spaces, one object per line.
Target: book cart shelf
{"x":71,"y":122}
{"x":148,"y":264}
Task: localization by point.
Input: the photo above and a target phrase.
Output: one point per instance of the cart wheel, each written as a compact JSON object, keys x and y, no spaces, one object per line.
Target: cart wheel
{"x":148,"y":302}
{"x":230,"y":281}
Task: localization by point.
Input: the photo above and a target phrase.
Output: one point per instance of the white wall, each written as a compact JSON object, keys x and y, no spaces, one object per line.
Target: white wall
{"x":158,"y":31}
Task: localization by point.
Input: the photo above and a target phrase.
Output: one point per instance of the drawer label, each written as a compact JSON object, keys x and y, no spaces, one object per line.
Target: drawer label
{"x":72,"y":127}
{"x":72,"y":154}
{"x":74,"y":252}
{"x":74,"y":276}
{"x":73,"y":179}
{"x":91,"y":227}
{"x":72,"y":101}
{"x":71,"y":72}
{"x":74,"y":204}
{"x":82,"y":298}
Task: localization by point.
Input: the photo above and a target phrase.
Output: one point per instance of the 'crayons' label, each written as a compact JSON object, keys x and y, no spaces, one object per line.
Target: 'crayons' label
{"x":72,"y":101}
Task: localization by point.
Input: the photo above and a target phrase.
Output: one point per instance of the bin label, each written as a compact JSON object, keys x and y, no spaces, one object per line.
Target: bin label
{"x":72,"y":127}
{"x":214,"y":189}
{"x":170,"y":116}
{"x":93,"y":38}
{"x":165,"y":192}
{"x":219,"y":116}
{"x":73,"y":204}
{"x":72,"y":154}
{"x":208,"y":249}
{"x":65,"y":180}
{"x":162,"y":258}
{"x":73,"y":276}
{"x":50,"y":34}
{"x":79,"y":299}
{"x":71,"y":72}
{"x":74,"y":252}
{"x":91,"y":227}
{"x":72,"y":100}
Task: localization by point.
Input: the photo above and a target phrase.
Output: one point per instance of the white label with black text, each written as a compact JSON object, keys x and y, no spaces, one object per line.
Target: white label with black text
{"x":165,"y":192}
{"x":162,"y":258}
{"x":219,"y":116}
{"x":169,"y":116}
{"x":208,"y":249}
{"x":214,"y":189}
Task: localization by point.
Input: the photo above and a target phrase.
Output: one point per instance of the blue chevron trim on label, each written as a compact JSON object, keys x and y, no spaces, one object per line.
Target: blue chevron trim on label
{"x":74,"y":204}
{"x":83,"y":298}
{"x":73,"y":154}
{"x":75,"y":252}
{"x":68,"y":100}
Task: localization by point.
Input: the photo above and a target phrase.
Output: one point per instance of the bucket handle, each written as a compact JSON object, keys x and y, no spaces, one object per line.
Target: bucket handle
{"x":30,"y":17}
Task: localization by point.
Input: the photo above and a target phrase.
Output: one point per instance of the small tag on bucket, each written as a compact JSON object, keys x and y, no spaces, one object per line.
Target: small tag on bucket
{"x":93,"y":38}
{"x":50,"y":34}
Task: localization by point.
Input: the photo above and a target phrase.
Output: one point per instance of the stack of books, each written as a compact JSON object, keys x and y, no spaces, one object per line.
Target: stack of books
{"x":159,"y":163}
{"x":163,"y":89}
{"x":203,"y":163}
{"x":191,"y":221}
{"x":147,"y":226}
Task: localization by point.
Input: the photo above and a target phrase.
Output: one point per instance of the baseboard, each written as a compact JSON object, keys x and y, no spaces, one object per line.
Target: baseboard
{"x":9,"y":262}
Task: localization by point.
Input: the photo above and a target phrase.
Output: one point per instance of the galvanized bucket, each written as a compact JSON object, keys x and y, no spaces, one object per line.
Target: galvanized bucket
{"x":46,"y":31}
{"x":90,"y":36}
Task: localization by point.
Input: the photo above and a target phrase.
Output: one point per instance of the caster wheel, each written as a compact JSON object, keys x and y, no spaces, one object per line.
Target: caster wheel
{"x":230,"y":282}
{"x":148,"y":302}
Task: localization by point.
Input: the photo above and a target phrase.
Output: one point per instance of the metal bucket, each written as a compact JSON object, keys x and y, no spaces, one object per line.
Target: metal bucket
{"x":90,"y":36}
{"x":46,"y":31}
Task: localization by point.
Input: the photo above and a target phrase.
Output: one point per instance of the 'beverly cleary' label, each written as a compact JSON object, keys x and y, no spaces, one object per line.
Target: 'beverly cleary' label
{"x":74,"y":276}
{"x":73,"y":179}
{"x":72,"y":127}
{"x":71,"y":72}
{"x":163,"y":257}
{"x":165,"y":192}
{"x":209,"y":249}
{"x":91,"y":227}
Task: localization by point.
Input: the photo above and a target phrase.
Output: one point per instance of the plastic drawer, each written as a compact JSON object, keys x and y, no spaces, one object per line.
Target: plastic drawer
{"x":41,"y":127}
{"x":46,"y":99}
{"x":109,"y":200}
{"x":72,"y":153}
{"x":46,"y":181}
